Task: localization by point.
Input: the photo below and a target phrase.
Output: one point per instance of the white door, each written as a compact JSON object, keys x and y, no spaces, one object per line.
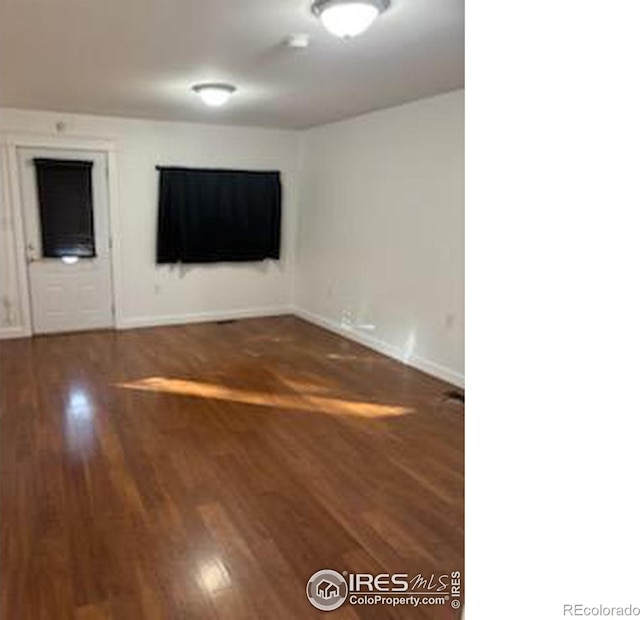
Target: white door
{"x":67,"y":296}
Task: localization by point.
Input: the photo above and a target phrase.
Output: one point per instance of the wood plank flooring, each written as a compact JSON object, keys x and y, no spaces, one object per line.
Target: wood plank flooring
{"x":207,"y":471}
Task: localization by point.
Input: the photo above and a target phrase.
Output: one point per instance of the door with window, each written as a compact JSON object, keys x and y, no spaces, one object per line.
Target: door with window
{"x":66,"y":220}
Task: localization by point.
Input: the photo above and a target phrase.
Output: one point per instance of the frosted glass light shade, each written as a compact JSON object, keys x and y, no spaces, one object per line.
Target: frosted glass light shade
{"x":348,"y":18}
{"x":215,"y":94}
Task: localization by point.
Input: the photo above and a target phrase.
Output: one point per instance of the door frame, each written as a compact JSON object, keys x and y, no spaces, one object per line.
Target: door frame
{"x":11,"y":142}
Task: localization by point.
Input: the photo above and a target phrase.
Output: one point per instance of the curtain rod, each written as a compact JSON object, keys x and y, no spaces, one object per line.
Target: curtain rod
{"x":187,"y":169}
{"x":47,"y":161}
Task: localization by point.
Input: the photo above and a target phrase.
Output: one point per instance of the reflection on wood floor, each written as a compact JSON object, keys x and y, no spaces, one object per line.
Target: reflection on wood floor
{"x":207,"y":471}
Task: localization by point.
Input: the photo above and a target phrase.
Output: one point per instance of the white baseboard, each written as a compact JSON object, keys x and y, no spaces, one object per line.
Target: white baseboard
{"x":14,"y":332}
{"x":202,"y":317}
{"x":415,"y":361}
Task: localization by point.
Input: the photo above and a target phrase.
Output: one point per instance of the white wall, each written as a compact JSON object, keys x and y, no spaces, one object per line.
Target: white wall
{"x":381,"y":231}
{"x":151,"y":294}
{"x":373,"y":226}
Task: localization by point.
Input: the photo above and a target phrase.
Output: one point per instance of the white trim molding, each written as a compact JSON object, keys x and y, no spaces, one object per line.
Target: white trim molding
{"x":415,"y":361}
{"x":11,"y":142}
{"x":7,"y":333}
{"x":203,"y":317}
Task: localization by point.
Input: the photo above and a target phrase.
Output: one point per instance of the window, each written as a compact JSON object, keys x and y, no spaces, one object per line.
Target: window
{"x":207,"y":216}
{"x":65,"y":198}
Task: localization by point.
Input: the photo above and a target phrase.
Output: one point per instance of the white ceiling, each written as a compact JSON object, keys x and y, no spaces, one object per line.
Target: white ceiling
{"x":140,"y":58}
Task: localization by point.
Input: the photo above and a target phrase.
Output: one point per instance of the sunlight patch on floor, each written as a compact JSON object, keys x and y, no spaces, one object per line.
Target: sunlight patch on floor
{"x":302,"y":386}
{"x":304,"y":402}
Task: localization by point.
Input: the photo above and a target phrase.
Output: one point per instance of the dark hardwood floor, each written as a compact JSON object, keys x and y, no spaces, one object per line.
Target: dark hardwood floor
{"x":207,"y":471}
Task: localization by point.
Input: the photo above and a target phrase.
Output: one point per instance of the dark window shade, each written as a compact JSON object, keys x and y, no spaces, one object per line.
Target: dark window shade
{"x":208,"y":216}
{"x":65,"y":198}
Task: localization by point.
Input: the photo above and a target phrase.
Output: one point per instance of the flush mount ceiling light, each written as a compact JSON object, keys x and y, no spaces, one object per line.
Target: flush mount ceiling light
{"x":214,"y":94}
{"x":348,"y":18}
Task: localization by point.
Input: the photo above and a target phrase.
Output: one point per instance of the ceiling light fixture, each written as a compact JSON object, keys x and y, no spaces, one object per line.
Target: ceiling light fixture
{"x":348,"y":18}
{"x":215,"y":94}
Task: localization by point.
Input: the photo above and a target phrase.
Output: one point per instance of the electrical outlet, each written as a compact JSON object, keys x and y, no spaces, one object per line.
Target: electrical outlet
{"x":347,"y":319}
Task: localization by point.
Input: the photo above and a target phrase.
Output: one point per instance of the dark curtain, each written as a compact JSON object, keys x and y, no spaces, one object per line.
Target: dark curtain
{"x":208,"y":216}
{"x":65,"y":199}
